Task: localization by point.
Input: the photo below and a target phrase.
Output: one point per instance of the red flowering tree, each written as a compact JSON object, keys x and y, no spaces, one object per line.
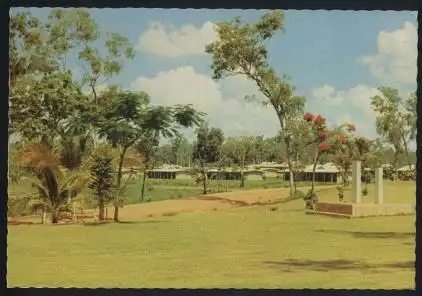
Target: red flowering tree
{"x":343,"y":148}
{"x":316,"y":134}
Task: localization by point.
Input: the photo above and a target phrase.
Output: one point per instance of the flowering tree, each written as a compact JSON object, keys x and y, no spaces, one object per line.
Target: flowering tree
{"x":342,"y":147}
{"x":316,"y":134}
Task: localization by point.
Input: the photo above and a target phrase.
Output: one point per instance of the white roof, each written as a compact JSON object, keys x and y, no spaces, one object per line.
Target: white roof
{"x":406,"y":168}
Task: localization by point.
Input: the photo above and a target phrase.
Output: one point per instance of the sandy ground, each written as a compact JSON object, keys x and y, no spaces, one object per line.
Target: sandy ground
{"x":202,"y":203}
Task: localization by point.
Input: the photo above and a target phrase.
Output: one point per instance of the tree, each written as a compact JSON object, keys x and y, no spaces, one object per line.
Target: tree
{"x":342,"y":147}
{"x":316,"y":135}
{"x":241,"y":50}
{"x":46,"y":102}
{"x":28,"y":51}
{"x":176,"y":143}
{"x":102,"y":180}
{"x":207,"y":149}
{"x":129,"y":117}
{"x":396,"y":120}
{"x":240,"y":149}
{"x":147,"y":147}
{"x":55,"y":185}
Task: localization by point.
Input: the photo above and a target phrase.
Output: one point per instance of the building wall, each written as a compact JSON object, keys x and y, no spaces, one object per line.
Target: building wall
{"x":271,"y":174}
{"x":319,"y":177}
{"x":183,"y":176}
{"x":254,"y":177}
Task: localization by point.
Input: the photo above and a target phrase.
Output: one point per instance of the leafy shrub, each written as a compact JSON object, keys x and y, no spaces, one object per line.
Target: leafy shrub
{"x":340,"y":190}
{"x":310,"y":199}
{"x":365,"y":191}
{"x":273,"y":209}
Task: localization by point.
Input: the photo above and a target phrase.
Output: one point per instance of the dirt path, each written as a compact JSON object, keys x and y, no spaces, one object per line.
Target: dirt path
{"x":203,"y":203}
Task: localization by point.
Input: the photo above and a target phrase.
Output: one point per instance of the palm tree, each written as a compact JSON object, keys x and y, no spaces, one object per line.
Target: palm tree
{"x":56,"y":185}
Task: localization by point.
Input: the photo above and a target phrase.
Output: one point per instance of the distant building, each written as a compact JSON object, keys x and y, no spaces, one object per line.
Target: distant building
{"x":328,"y":173}
{"x":170,"y":173}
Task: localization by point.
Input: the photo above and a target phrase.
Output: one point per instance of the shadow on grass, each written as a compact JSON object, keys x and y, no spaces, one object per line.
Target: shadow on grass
{"x":93,"y":224}
{"x":376,"y":235}
{"x":330,"y":265}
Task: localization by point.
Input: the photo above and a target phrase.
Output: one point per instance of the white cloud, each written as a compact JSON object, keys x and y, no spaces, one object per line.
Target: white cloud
{"x":352,"y":105}
{"x":326,"y":93}
{"x":176,"y":42}
{"x":223,"y":101}
{"x":395,"y":61}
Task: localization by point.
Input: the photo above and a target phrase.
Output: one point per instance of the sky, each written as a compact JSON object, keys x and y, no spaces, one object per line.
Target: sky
{"x":336,"y":59}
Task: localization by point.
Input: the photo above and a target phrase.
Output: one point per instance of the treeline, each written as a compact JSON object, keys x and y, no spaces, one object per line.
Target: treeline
{"x":179,"y":152}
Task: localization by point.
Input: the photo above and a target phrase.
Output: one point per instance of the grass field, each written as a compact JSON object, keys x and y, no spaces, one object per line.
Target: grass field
{"x":157,"y":190}
{"x":275,"y":246}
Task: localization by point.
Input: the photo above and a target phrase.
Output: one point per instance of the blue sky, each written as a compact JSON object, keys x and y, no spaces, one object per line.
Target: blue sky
{"x":335,"y":58}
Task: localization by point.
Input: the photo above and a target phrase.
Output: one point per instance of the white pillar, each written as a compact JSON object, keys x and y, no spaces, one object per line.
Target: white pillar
{"x":379,"y":187}
{"x":356,"y":182}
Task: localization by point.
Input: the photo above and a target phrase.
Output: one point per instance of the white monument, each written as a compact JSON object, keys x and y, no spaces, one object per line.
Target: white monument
{"x":379,"y":190}
{"x":356,"y":182}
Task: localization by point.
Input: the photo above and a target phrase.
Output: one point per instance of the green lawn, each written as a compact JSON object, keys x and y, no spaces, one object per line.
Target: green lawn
{"x":247,"y":247}
{"x":157,"y":190}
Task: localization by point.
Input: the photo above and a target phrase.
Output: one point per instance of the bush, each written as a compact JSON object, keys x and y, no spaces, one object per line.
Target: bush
{"x":310,"y":199}
{"x":340,"y":190}
{"x":273,"y":209}
{"x":365,"y":191}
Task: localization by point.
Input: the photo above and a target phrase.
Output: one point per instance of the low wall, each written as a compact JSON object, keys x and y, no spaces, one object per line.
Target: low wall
{"x":362,"y":210}
{"x":335,"y":207}
{"x":367,"y":210}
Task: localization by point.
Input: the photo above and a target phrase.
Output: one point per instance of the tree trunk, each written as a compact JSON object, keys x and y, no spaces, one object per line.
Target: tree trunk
{"x":204,"y":181}
{"x":101,"y":211}
{"x":290,"y":164}
{"x":54,"y":217}
{"x":119,"y":180}
{"x":407,"y":155}
{"x":44,"y":215}
{"x":291,"y":180}
{"x":242,"y":174}
{"x":116,"y":214}
{"x":144,"y":177}
{"x":406,"y":150}
{"x":317,"y":154}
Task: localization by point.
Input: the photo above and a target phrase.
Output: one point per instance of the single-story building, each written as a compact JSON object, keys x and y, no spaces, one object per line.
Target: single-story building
{"x":271,"y":172}
{"x":235,"y":174}
{"x":254,"y":175}
{"x":323,"y":173}
{"x":171,"y":173}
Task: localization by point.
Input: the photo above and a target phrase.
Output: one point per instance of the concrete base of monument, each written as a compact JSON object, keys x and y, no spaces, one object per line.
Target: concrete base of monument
{"x":352,"y":210}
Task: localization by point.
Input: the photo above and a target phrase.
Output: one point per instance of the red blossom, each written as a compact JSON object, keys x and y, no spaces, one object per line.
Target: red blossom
{"x":308,"y":116}
{"x":343,"y":138}
{"x":319,"y":120}
{"x":323,"y":147}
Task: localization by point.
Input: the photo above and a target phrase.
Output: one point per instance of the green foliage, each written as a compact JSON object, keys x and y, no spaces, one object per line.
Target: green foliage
{"x":208,"y":144}
{"x":310,"y":199}
{"x":102,"y":183}
{"x":242,"y":50}
{"x":396,"y":120}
